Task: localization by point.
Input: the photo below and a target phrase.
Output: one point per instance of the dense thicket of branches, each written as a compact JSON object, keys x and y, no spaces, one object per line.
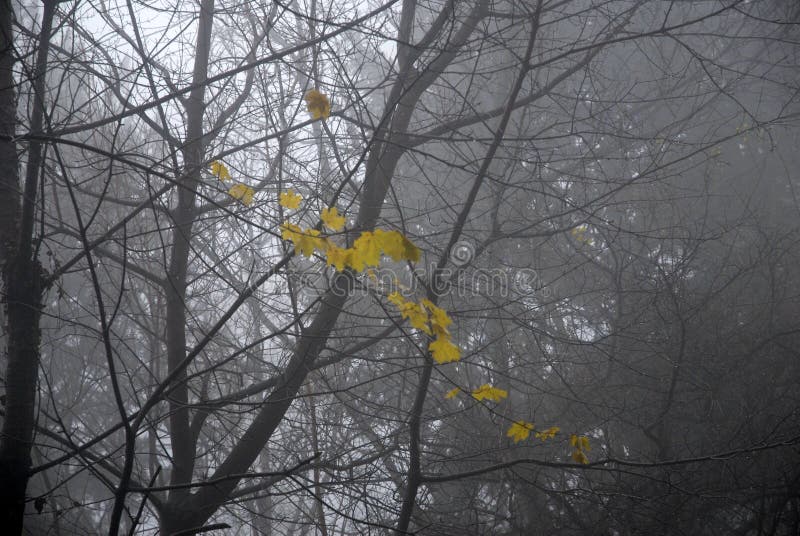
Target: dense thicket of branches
{"x":605,"y":194}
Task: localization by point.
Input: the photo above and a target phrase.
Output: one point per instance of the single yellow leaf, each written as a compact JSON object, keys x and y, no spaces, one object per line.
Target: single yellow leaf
{"x":444,"y":351}
{"x":584,"y":444}
{"x":580,"y":457}
{"x":220,"y":171}
{"x":330,"y":217}
{"x":452,"y":393}
{"x":318,"y":104}
{"x":290,"y":200}
{"x":243,"y":193}
{"x":487,"y":392}
{"x":519,"y":431}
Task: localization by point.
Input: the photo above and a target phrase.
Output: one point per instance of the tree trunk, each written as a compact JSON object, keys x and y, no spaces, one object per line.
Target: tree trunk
{"x":22,"y":274}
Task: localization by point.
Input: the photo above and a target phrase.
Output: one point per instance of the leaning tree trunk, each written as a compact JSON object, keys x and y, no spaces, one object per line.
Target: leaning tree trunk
{"x":22,"y":274}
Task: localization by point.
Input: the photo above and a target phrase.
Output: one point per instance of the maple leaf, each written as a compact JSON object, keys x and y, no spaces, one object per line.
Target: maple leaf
{"x":305,"y":240}
{"x":519,"y":431}
{"x":219,"y":170}
{"x":366,"y":251}
{"x":330,"y":217}
{"x":414,"y":312}
{"x":444,"y":351}
{"x":339,"y":257}
{"x":318,"y":104}
{"x":290,"y":200}
{"x":487,"y":392}
{"x":243,"y":193}
{"x":439,"y":318}
{"x":396,"y":245}
{"x":452,"y":393}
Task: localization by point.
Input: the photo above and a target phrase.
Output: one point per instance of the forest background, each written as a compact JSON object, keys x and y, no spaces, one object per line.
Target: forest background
{"x":424,"y":267}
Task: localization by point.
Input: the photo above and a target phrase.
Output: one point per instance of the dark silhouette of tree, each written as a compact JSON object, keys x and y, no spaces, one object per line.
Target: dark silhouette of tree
{"x":604,"y":199}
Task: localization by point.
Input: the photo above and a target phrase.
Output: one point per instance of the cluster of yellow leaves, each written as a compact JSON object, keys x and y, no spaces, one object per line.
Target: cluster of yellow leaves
{"x":432,"y":320}
{"x":581,"y":446}
{"x":520,"y":430}
{"x":488,"y":392}
{"x":239,"y":191}
{"x":368,"y":247}
{"x":305,"y":240}
{"x":318,"y":104}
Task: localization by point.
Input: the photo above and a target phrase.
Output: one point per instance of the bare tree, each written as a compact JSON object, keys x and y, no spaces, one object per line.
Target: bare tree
{"x":593,"y":186}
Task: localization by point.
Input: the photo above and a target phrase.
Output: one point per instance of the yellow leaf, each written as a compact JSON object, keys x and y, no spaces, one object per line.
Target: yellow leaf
{"x":519,"y":431}
{"x":487,"y":392}
{"x":289,"y":231}
{"x":243,"y":193}
{"x":305,"y":240}
{"x":330,"y":217}
{"x":439,"y":319}
{"x":366,"y":251}
{"x":219,"y":170}
{"x":444,"y":351}
{"x":290,"y":200}
{"x":550,"y":433}
{"x":396,"y":245}
{"x":318,"y":105}
{"x":580,"y":457}
{"x":416,"y":315}
{"x":338,"y":257}
{"x":573,"y":440}
{"x":584,"y":443}
{"x":452,"y":393}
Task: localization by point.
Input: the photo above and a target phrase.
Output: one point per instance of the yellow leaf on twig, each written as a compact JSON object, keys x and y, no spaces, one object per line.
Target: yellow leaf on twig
{"x":318,"y":104}
{"x":290,"y":200}
{"x":243,"y":193}
{"x":330,"y":217}
{"x":219,"y":170}
{"x":519,"y":431}
{"x":487,"y":392}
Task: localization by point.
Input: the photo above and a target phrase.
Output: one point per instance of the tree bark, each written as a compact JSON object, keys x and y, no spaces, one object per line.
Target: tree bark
{"x":22,"y":273}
